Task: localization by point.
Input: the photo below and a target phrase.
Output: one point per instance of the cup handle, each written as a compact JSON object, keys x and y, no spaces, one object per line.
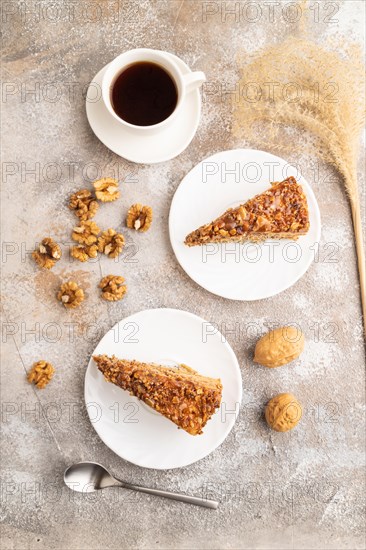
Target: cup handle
{"x":193,"y":80}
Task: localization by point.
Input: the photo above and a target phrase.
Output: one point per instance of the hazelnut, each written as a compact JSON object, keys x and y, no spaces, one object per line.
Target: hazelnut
{"x":283,"y":412}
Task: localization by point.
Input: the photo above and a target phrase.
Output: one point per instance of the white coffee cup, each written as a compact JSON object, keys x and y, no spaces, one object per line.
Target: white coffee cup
{"x":185,"y":83}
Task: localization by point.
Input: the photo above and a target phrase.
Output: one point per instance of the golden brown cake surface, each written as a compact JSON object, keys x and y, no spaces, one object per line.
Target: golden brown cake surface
{"x":180,"y":394}
{"x":281,"y":212}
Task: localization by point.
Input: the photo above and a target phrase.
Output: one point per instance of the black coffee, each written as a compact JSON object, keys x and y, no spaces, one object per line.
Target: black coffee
{"x":144,"y":94}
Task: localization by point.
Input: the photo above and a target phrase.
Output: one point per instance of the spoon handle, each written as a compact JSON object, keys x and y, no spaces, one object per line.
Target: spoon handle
{"x":175,"y":496}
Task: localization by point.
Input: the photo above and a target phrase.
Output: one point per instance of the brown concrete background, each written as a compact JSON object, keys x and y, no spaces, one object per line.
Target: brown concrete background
{"x":298,"y":490}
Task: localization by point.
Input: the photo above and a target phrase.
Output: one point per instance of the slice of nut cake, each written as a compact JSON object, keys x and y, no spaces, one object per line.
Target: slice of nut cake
{"x":180,"y":394}
{"x":281,"y":212}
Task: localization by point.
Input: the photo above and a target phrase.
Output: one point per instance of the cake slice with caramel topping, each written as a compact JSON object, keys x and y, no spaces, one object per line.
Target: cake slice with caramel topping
{"x":280,"y":212}
{"x":180,"y":394}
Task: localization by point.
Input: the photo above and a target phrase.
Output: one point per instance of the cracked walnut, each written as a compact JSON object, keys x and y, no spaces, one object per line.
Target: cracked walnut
{"x":113,"y":288}
{"x":47,"y":254}
{"x":70,"y":295}
{"x":40,"y":374}
{"x":139,"y":217}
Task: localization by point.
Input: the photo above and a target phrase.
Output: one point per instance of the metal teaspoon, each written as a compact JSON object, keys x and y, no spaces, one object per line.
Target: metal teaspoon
{"x":87,"y":477}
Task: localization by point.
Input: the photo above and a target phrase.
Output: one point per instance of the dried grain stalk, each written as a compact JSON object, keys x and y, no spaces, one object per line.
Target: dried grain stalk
{"x":319,"y":90}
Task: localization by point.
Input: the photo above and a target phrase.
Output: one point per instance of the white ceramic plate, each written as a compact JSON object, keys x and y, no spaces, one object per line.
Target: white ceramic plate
{"x":238,"y":271}
{"x":151,"y":149}
{"x":133,"y":430}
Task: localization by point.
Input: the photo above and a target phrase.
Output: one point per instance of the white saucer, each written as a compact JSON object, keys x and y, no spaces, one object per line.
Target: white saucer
{"x":238,"y":271}
{"x":132,"y":429}
{"x":152,"y":149}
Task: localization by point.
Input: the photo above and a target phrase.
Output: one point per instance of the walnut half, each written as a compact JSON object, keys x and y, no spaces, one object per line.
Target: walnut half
{"x":106,"y":189}
{"x":113,"y":288}
{"x":47,"y":254}
{"x":40,"y":374}
{"x":111,"y":243}
{"x":84,"y":204}
{"x":139,"y":217}
{"x":86,"y":233}
{"x":70,"y":295}
{"x":83,"y":252}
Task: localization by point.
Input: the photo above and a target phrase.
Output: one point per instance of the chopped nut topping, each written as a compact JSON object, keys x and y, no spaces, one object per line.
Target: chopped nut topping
{"x":106,"y":189}
{"x":70,"y":295}
{"x":86,"y":233}
{"x":113,"y":288}
{"x":139,"y":217}
{"x":83,"y":252}
{"x":40,"y":374}
{"x":84,"y":204}
{"x":280,"y":212}
{"x":111,"y":243}
{"x":181,"y":394}
{"x":48,"y":253}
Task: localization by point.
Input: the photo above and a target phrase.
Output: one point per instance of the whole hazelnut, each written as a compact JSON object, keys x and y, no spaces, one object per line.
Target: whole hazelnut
{"x":283,"y":412}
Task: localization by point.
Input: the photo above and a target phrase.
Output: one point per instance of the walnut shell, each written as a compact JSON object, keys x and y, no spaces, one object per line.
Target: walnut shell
{"x":283,"y":412}
{"x":279,"y":347}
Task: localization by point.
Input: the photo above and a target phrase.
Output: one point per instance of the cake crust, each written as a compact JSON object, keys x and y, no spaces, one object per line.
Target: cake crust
{"x":280,"y":212}
{"x":180,"y":394}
